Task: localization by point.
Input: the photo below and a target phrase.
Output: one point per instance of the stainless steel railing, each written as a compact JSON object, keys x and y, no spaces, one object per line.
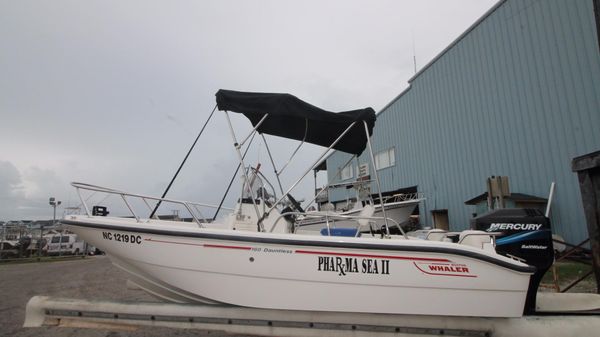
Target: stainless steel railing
{"x":403,"y":197}
{"x":189,"y":206}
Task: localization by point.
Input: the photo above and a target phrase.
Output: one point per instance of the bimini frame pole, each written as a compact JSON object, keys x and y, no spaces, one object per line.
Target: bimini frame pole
{"x":272,"y":163}
{"x":278,"y":173}
{"x":297,"y":148}
{"x":251,"y":134}
{"x":182,"y":163}
{"x":241,"y":159}
{"x":311,"y":167}
{"x":387,"y":229}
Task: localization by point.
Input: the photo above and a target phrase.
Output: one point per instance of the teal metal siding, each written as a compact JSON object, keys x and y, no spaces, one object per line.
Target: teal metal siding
{"x":517,"y":95}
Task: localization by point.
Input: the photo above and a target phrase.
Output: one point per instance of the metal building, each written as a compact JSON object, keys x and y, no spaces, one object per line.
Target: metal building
{"x":517,"y":95}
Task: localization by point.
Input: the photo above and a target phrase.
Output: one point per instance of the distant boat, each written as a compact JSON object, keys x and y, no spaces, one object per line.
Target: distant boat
{"x":398,"y":207}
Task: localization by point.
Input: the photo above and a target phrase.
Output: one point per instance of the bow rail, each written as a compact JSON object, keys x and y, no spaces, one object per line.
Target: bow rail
{"x":189,"y":206}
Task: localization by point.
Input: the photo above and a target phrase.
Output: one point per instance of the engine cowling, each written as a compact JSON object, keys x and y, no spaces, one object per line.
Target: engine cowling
{"x":525,"y":234}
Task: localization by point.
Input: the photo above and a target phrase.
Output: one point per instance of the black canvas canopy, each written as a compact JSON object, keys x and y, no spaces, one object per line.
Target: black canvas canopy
{"x":290,"y":117}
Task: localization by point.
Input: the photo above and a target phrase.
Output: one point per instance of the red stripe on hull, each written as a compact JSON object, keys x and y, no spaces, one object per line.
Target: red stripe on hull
{"x":200,"y":244}
{"x":227,"y":247}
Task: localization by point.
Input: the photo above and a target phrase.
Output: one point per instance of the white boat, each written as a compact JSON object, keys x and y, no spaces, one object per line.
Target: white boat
{"x":252,"y":257}
{"x":397,"y":207}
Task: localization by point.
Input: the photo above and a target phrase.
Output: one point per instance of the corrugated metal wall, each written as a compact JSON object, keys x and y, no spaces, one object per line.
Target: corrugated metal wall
{"x":516,"y":95}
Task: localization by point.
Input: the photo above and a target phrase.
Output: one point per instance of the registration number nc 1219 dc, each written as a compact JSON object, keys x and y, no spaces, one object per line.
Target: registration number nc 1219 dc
{"x":127,"y":238}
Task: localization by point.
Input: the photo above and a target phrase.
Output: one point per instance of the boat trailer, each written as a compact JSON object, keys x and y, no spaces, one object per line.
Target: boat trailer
{"x":557,"y":315}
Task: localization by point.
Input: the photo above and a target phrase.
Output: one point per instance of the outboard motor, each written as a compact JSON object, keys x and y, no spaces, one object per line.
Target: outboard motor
{"x":525,"y":235}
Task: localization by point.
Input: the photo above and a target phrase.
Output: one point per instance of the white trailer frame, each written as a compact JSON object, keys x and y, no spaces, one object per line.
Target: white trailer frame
{"x":563,"y":315}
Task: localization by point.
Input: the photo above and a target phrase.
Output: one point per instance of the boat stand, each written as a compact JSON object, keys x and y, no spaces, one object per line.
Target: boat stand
{"x":559,"y":315}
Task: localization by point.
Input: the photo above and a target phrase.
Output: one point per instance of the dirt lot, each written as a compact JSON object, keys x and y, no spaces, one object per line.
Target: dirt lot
{"x":90,"y":278}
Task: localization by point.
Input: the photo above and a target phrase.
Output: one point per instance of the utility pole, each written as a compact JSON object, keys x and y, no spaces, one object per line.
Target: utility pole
{"x":53,"y":202}
{"x":2,"y":239}
{"x":588,"y":173}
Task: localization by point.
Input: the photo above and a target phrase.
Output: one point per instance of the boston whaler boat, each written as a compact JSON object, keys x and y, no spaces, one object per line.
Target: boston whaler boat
{"x":254,"y":257}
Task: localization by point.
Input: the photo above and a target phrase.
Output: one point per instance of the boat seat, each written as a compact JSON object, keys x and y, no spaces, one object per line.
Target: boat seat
{"x":351,"y":232}
{"x":367,"y":211}
{"x":474,"y":238}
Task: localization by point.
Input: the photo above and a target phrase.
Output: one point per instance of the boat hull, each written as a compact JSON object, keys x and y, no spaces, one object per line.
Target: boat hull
{"x":299,"y":272}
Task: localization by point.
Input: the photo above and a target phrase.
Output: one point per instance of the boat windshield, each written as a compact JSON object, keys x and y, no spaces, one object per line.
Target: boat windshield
{"x":258,"y":186}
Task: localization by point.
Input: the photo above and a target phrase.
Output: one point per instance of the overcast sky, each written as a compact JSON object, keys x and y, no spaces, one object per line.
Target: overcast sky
{"x":114,"y":92}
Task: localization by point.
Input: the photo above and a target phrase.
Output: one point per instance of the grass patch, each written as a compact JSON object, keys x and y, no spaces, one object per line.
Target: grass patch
{"x":567,"y":272}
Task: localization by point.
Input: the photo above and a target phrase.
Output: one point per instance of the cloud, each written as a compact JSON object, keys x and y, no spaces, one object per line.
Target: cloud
{"x":12,"y":192}
{"x":24,"y":195}
{"x":40,"y":182}
{"x":113,"y":93}
{"x":10,"y":181}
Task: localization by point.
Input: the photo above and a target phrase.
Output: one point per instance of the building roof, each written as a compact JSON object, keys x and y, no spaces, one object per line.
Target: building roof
{"x":438,"y":56}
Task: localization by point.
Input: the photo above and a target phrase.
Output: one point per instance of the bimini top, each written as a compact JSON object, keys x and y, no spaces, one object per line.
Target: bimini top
{"x":290,"y":117}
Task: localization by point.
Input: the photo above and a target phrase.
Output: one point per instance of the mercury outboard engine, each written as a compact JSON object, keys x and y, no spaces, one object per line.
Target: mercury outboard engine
{"x":525,"y":235}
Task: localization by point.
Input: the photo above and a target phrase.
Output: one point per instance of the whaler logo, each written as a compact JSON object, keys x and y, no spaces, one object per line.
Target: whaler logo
{"x":444,"y":269}
{"x":348,"y":265}
{"x":515,"y":226}
{"x":448,"y":268}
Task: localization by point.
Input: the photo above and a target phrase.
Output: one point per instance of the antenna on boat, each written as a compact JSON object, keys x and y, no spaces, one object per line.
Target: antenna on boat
{"x":182,"y":163}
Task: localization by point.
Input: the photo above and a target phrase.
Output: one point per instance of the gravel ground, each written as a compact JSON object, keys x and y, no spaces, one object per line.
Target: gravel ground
{"x":90,"y":278}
